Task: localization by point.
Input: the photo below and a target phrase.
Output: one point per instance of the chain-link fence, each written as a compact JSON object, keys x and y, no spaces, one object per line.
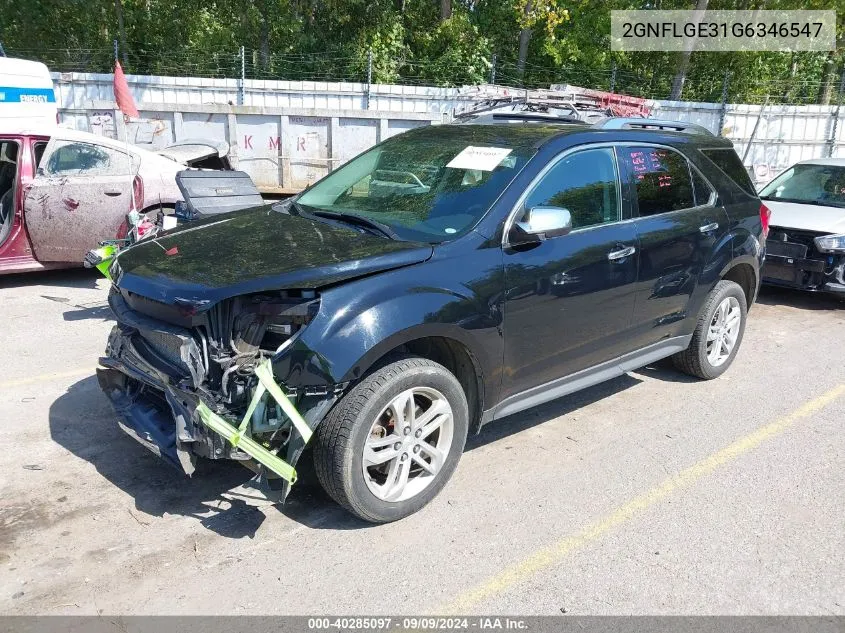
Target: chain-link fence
{"x":341,"y":66}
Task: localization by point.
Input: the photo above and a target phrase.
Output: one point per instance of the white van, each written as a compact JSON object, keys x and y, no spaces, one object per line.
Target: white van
{"x":27,"y":99}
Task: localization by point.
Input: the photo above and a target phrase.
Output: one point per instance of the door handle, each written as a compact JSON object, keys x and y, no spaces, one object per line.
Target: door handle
{"x":113,"y":192}
{"x":709,"y":228}
{"x":622,"y":253}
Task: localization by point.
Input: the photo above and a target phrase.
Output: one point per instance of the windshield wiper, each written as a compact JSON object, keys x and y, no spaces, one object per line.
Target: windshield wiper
{"x":289,"y":206}
{"x":351,"y":218}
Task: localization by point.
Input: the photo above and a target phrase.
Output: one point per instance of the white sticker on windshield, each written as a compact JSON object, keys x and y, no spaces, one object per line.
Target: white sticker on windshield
{"x":481,"y":158}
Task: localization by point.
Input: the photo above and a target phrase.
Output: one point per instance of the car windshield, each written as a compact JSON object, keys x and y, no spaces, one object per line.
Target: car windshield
{"x":809,"y":184}
{"x":431,"y":184}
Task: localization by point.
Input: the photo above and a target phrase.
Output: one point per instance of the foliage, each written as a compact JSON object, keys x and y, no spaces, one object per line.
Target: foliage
{"x":410,"y":42}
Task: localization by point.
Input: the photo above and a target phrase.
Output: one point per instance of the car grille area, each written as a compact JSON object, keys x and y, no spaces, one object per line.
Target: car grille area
{"x":165,"y":345}
{"x":793,"y":260}
{"x":162,"y":351}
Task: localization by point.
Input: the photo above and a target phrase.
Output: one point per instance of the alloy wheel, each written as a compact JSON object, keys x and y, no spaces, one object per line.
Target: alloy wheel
{"x":723,"y":331}
{"x":408,"y":444}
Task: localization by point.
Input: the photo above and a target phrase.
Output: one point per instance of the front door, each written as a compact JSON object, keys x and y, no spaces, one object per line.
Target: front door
{"x":80,"y":196}
{"x":680,"y":226}
{"x":569,"y":299}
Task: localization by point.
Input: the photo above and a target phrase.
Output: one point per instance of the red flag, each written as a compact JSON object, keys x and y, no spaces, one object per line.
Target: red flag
{"x":121,"y":93}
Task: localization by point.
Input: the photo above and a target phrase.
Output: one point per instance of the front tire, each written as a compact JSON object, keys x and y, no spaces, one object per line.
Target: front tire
{"x":718,"y":333}
{"x":391,"y":444}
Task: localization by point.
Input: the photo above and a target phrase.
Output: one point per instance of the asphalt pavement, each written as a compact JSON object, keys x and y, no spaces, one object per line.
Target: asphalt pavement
{"x":651,"y":494}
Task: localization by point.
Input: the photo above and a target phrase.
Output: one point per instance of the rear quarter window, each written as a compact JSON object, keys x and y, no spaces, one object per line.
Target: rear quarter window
{"x":731,"y":165}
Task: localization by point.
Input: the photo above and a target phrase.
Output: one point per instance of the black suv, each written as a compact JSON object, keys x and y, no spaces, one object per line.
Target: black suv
{"x":447,"y":277}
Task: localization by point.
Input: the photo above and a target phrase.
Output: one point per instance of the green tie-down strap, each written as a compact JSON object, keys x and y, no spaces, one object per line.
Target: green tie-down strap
{"x":239,"y":436}
{"x":101,"y":258}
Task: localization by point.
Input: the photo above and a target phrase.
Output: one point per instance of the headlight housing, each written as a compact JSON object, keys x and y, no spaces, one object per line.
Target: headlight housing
{"x":831,"y":243}
{"x":278,"y":319}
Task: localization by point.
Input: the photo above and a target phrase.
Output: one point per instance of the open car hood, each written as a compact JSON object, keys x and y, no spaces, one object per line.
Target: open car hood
{"x":191,"y":151}
{"x":255,"y":250}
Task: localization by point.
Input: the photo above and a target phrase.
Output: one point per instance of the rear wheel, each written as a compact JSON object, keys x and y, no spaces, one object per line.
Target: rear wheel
{"x":718,"y":333}
{"x":391,"y":444}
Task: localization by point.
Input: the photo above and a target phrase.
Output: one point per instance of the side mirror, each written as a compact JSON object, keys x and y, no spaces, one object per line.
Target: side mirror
{"x":543,"y":222}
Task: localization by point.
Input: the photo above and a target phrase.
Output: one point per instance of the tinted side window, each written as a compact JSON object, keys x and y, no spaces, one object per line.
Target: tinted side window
{"x":703,"y":191}
{"x":661,"y":177}
{"x":584,"y":183}
{"x":731,"y":165}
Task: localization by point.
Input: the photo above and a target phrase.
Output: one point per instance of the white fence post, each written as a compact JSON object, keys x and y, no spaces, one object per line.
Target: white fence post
{"x":724,"y":111}
{"x":242,"y":85}
{"x":831,"y":150}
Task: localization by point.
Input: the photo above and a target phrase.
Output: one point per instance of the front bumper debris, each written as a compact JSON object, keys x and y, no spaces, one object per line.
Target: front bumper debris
{"x":793,"y":261}
{"x":170,"y":413}
{"x":239,"y":437}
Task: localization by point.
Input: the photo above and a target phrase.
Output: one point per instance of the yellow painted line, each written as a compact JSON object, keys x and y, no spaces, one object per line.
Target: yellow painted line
{"x":553,"y":554}
{"x":73,"y":373}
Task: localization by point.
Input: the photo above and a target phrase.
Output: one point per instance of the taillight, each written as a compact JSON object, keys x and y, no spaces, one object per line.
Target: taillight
{"x":138,"y":193}
{"x":765,"y":215}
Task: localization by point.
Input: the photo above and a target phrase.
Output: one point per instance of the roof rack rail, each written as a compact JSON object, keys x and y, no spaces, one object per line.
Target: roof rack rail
{"x":621,"y":123}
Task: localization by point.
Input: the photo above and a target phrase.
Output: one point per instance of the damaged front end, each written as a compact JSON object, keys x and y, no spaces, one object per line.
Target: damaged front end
{"x":191,"y":381}
{"x":802,"y":259}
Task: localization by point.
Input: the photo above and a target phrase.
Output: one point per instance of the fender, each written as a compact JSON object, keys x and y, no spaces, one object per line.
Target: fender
{"x":748,"y":246}
{"x":751,"y":260}
{"x":720,"y":257}
{"x":361,"y":321}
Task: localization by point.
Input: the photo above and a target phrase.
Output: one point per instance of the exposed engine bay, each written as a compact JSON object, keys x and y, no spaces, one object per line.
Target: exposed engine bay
{"x":239,"y":333}
{"x":177,"y":359}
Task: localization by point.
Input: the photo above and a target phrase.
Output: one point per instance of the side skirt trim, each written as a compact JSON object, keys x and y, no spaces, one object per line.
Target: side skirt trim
{"x":586,"y":378}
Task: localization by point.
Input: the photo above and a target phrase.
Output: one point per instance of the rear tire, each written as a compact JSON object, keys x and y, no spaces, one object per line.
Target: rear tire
{"x":391,"y":444}
{"x":718,"y":333}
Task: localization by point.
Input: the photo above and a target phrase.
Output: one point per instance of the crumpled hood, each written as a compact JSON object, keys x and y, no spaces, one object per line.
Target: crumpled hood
{"x":806,"y":217}
{"x":252,"y":251}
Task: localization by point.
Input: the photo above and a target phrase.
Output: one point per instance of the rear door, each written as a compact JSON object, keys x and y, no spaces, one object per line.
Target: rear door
{"x":80,"y":196}
{"x":680,"y":227}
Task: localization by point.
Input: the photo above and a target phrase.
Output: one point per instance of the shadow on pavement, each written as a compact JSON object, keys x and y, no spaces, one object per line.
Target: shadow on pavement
{"x":81,"y":420}
{"x":523,"y":420}
{"x":665,"y":371}
{"x":98,"y":312}
{"x":777,"y":296}
{"x":65,"y":278}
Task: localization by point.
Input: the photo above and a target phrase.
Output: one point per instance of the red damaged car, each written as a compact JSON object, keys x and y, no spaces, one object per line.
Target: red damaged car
{"x":64,"y":191}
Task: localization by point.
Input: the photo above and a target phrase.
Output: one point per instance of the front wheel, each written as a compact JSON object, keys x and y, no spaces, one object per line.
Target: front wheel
{"x":718,"y":333}
{"x":391,"y":444}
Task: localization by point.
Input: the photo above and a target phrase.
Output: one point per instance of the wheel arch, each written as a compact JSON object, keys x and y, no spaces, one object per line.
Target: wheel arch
{"x":445,"y":348}
{"x":152,"y":208}
{"x":745,"y":274}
